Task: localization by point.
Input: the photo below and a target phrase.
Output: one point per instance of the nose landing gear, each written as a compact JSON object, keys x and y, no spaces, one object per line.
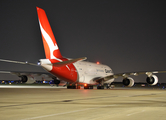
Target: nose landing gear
{"x":100,"y":85}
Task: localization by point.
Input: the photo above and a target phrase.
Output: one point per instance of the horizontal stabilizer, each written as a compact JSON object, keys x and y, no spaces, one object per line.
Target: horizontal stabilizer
{"x":18,"y":62}
{"x":59,"y":64}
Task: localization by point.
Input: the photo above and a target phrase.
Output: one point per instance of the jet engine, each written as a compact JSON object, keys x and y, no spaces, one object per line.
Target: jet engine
{"x":152,"y":80}
{"x":27,"y":79}
{"x":128,"y":81}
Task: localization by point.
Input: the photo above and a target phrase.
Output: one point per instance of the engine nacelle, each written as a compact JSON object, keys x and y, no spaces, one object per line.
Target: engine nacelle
{"x":152,"y":80}
{"x":27,"y":79}
{"x":129,"y":82}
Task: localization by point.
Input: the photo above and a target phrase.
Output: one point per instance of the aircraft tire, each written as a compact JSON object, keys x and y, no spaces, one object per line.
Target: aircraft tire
{"x":100,"y":87}
{"x":88,"y":87}
{"x":71,"y":87}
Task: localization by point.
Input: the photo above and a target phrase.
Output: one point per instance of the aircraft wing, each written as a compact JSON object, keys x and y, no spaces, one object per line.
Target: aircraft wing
{"x":30,"y":77}
{"x":33,"y":74}
{"x":125,"y":75}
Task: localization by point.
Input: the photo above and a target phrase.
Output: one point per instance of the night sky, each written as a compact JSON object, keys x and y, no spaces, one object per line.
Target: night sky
{"x":127,"y":35}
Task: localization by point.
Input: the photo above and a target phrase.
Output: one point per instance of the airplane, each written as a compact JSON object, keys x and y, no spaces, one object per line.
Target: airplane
{"x":75,"y":71}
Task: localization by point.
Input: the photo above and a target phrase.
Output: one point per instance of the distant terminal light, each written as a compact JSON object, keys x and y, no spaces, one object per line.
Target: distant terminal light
{"x":98,"y":63}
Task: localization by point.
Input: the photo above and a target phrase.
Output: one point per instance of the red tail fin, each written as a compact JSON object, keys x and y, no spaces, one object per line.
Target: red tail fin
{"x":50,"y":45}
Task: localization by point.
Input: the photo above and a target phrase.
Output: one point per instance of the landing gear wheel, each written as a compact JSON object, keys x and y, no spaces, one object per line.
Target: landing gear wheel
{"x":88,"y":87}
{"x":56,"y":82}
{"x":71,"y":87}
{"x":100,"y":87}
{"x":91,"y":87}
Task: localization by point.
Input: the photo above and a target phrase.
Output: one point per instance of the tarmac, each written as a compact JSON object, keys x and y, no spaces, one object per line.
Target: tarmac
{"x":50,"y":103}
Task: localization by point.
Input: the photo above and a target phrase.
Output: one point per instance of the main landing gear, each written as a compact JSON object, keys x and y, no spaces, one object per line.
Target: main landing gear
{"x":75,"y":86}
{"x":100,"y":87}
{"x":88,"y":86}
{"x":71,"y":87}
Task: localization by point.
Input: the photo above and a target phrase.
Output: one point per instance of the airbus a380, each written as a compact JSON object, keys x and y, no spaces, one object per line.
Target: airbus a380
{"x":75,"y":71}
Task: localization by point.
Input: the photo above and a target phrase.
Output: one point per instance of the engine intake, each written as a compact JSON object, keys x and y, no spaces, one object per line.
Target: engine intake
{"x":24,"y":78}
{"x":27,"y":79}
{"x":152,"y":80}
{"x":128,"y":81}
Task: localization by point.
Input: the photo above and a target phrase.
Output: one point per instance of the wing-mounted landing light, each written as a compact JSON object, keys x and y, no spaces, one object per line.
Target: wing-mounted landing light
{"x":38,"y":63}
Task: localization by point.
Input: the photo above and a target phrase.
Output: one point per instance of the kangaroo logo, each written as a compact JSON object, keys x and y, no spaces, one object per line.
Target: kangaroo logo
{"x":50,"y":43}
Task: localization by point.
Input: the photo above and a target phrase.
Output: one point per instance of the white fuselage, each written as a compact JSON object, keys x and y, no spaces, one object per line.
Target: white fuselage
{"x":88,"y":72}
